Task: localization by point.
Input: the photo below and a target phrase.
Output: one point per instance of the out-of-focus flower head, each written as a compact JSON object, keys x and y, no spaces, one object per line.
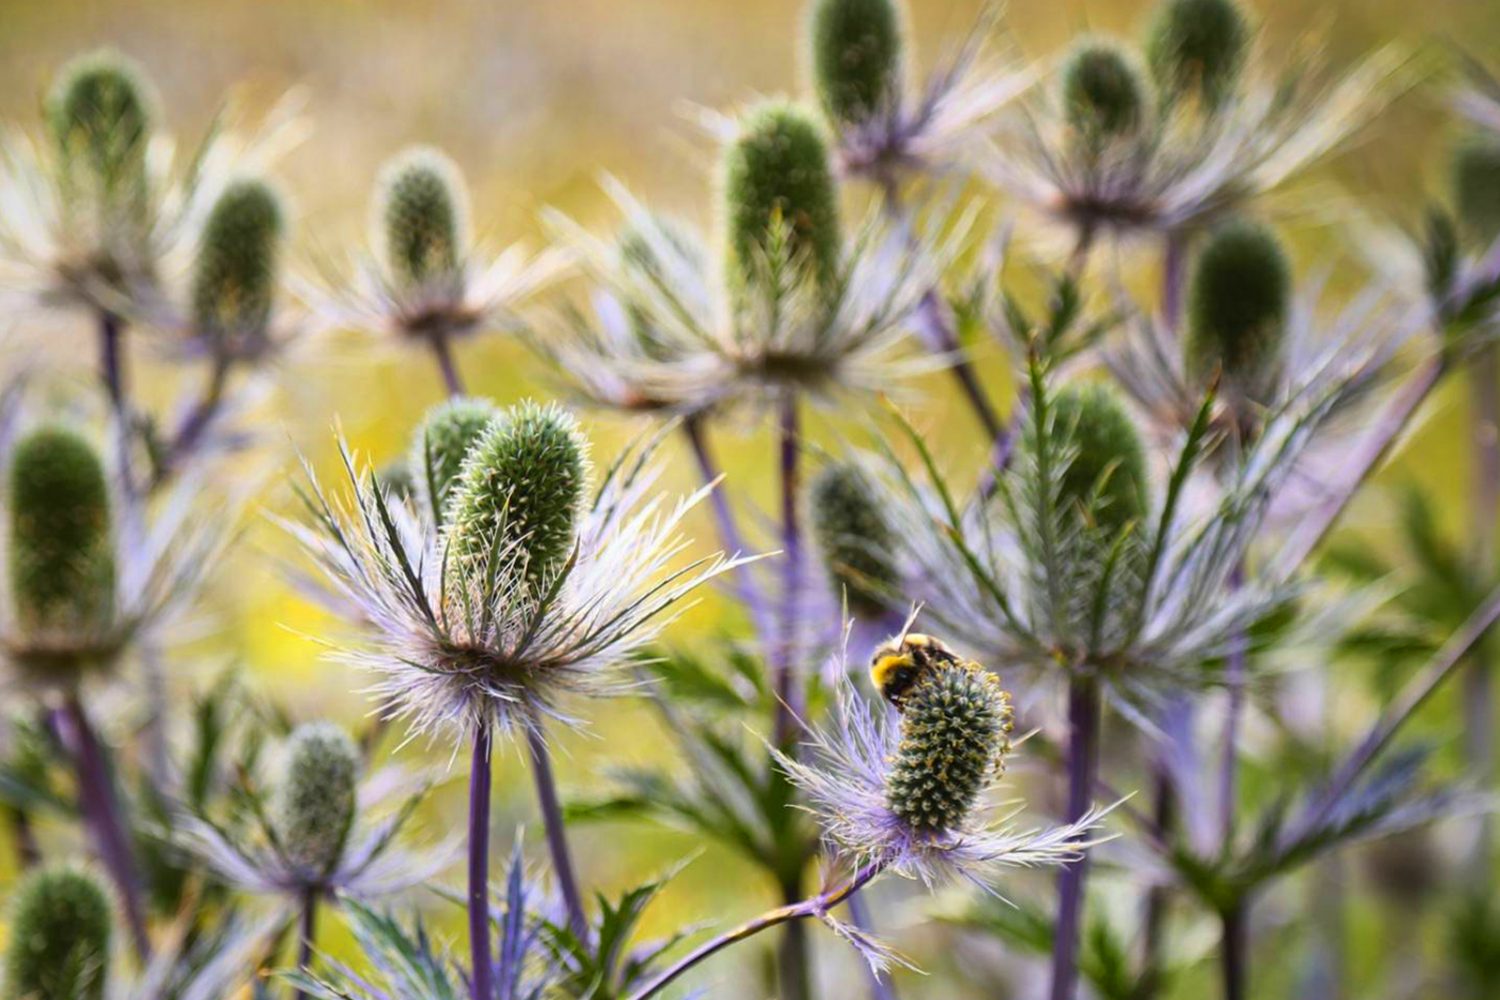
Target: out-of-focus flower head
{"x":99,"y":209}
{"x":1106,"y":151}
{"x":858,"y":54}
{"x":79,"y":589}
{"x":528,"y":592}
{"x":426,"y":279}
{"x":796,"y":307}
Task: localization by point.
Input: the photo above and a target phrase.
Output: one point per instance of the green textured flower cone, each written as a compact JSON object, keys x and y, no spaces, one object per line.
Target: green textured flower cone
{"x":1197,"y":48}
{"x":1476,"y":187}
{"x":955,"y":735}
{"x":778,"y":169}
{"x":62,"y":560}
{"x":100,"y":115}
{"x":521,"y":486}
{"x":1103,"y":95}
{"x":856,"y":55}
{"x":60,"y":926}
{"x":234,"y":276}
{"x":1107,"y":476}
{"x":1239,"y":297}
{"x":423,"y":214}
{"x":856,"y":541}
{"x":397,"y":479}
{"x":439,"y":445}
{"x":316,"y":799}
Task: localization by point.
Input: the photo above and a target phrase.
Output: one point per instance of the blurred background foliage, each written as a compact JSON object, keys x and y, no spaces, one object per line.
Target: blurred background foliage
{"x":534,"y":101}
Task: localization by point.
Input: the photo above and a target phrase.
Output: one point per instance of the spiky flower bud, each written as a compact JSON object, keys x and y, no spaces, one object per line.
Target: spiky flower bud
{"x":439,"y":445}
{"x":778,"y":169}
{"x":62,"y":560}
{"x":856,"y":50}
{"x":1107,"y":476}
{"x":522,"y":485}
{"x":234,"y":276}
{"x":100,"y":116}
{"x":314,"y":805}
{"x":856,"y":540}
{"x":1197,"y":48}
{"x":60,"y":927}
{"x":1238,"y":301}
{"x":1476,"y":187}
{"x":955,"y":734}
{"x":1103,"y":95}
{"x":423,"y":215}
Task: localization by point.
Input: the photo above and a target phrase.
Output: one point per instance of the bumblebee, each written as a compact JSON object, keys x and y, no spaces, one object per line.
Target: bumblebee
{"x":899,"y":664}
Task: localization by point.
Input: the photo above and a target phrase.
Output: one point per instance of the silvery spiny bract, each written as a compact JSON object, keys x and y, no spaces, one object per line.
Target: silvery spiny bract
{"x":1180,"y":163}
{"x":859,"y":51}
{"x":464,"y":626}
{"x":78,"y":590}
{"x":802,"y":308}
{"x":100,"y":208}
{"x":320,"y":826}
{"x":1054,"y":571}
{"x":424,"y":279}
{"x":904,"y":790}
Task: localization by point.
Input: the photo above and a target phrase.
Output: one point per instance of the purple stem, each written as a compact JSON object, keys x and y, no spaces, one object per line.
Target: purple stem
{"x":101,"y":810}
{"x":190,"y":432}
{"x":444,"y":352}
{"x":552,"y":824}
{"x":308,"y":933}
{"x":1234,"y":950}
{"x":814,"y":907}
{"x":729,"y":532}
{"x":788,"y":701}
{"x":1083,"y":766}
{"x":859,"y":915}
{"x":1174,"y":267}
{"x":481,"y":966}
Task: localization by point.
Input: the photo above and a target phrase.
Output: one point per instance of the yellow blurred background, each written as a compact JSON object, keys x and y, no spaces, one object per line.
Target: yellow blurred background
{"x":535,"y":100}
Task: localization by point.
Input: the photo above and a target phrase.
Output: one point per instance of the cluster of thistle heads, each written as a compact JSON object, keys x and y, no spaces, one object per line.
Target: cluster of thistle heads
{"x":493,"y":578}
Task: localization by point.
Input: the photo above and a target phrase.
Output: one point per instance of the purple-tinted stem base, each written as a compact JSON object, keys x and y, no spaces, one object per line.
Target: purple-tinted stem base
{"x":788,"y":698}
{"x":481,"y":977}
{"x":1083,"y":766}
{"x":552,"y":825}
{"x":729,"y":533}
{"x":443,"y":350}
{"x":307,"y":933}
{"x":101,"y":809}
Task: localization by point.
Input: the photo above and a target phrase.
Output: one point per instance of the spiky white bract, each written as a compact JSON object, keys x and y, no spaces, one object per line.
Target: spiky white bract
{"x":159,"y":567}
{"x":931,"y":129}
{"x":466,"y":289}
{"x":194,"y":962}
{"x":1147,"y":610}
{"x":455,"y":650}
{"x":846,"y":775}
{"x":784,"y":331}
{"x":368,"y":861}
{"x":1182,"y":169}
{"x":58,"y":249}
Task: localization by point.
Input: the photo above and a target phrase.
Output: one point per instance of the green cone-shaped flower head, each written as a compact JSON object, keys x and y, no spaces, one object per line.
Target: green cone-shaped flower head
{"x":856,"y":55}
{"x":423,"y":216}
{"x":397,"y":478}
{"x":955,"y":732}
{"x":1103,"y":95}
{"x":315,"y":801}
{"x":778,"y":169}
{"x":234,"y":276}
{"x":439,"y":445}
{"x":1476,"y":187}
{"x":1238,"y":300}
{"x":100,"y":115}
{"x":1197,"y":48}
{"x":60,"y":925}
{"x":522,"y":485}
{"x":62,"y":560}
{"x":1107,"y":476}
{"x":854,"y":536}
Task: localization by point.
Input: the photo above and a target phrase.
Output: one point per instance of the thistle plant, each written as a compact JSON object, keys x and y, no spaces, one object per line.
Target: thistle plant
{"x":1196,"y":50}
{"x":59,"y":940}
{"x":234,"y":274}
{"x":855,"y":539}
{"x":1104,"y":97}
{"x":426,"y":282}
{"x":859,"y":58}
{"x":438,"y":447}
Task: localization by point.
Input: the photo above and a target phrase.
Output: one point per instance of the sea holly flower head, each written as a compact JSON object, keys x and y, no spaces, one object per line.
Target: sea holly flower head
{"x":854,"y":538}
{"x":1196,"y":49}
{"x":438,"y":447}
{"x":61,"y":922}
{"x":425,"y":279}
{"x":532,"y":590}
{"x":233,"y":290}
